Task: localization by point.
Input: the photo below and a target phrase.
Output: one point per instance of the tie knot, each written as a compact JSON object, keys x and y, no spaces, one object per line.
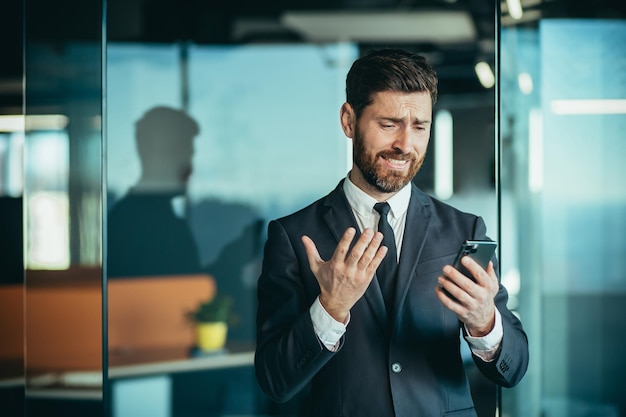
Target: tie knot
{"x":382,"y":208}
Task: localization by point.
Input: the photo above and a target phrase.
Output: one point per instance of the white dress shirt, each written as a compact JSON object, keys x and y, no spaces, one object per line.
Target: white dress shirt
{"x":328,"y":330}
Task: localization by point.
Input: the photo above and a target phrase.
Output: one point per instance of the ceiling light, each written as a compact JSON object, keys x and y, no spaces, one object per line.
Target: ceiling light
{"x":525,"y":83}
{"x":485,"y":74}
{"x":529,"y":16}
{"x":515,"y":9}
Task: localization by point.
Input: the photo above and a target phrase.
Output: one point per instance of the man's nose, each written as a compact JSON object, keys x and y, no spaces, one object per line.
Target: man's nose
{"x":403,"y":141}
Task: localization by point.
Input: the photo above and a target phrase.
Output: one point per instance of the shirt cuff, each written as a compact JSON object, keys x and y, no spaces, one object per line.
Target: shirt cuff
{"x":487,"y":346}
{"x":328,"y":330}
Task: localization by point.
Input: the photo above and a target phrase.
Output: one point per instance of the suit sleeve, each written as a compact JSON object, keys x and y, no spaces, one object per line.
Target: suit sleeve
{"x":288,"y":353}
{"x":511,"y":361}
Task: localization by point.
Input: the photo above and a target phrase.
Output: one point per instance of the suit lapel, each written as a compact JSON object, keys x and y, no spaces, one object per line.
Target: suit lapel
{"x":416,"y":229}
{"x":339,"y":217}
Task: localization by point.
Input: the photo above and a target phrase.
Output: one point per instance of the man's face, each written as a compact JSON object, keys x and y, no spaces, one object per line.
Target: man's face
{"x":389,"y":140}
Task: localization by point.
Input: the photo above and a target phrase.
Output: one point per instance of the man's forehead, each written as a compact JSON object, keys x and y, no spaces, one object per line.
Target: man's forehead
{"x":395,"y":102}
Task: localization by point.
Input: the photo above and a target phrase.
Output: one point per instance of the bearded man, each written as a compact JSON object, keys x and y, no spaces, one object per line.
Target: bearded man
{"x":372,"y":329}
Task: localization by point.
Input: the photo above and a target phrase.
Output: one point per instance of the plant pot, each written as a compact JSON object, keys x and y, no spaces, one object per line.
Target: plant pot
{"x":211,"y":336}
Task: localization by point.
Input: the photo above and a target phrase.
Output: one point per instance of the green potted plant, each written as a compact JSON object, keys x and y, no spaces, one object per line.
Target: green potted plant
{"x":211,"y":319}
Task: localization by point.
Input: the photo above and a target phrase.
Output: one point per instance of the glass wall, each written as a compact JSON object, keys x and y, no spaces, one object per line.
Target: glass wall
{"x":564,"y":207}
{"x":62,"y":226}
{"x":212,"y":134}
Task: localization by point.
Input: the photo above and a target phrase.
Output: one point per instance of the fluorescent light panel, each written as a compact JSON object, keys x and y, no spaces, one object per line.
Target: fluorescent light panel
{"x":616,"y":106}
{"x":535,"y":150}
{"x":423,"y":26}
{"x":20,"y":123}
{"x":11,"y":123}
{"x":444,"y":155}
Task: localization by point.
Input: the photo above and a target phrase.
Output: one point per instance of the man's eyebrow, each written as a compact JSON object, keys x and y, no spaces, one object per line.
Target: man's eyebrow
{"x":391,"y":119}
{"x":401,"y":120}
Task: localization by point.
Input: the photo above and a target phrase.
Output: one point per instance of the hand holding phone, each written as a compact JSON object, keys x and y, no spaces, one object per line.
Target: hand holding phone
{"x":480,"y":251}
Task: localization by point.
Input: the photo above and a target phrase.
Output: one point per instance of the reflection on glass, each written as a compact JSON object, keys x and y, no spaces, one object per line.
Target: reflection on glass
{"x":148,"y":234}
{"x":12,"y":275}
{"x":62,"y":232}
{"x":190,"y":190}
{"x":264,"y":137}
{"x":564,"y":207}
{"x":11,"y":163}
{"x":47,"y":232}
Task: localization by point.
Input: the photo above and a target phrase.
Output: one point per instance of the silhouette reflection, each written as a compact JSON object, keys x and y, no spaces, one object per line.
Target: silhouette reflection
{"x":154,"y":230}
{"x":146,"y":236}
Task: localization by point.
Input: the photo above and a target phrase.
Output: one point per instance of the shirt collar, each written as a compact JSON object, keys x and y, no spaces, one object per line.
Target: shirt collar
{"x":363,"y":203}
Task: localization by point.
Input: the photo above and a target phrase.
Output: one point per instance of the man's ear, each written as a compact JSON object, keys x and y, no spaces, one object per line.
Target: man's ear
{"x":348,"y":120}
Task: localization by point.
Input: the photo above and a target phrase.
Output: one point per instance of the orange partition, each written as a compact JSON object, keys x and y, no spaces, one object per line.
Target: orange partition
{"x":12,"y":322}
{"x":63,"y":317}
{"x":150,"y":312}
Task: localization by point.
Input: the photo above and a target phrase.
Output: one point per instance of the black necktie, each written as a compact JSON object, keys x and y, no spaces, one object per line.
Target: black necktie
{"x":387,"y":269}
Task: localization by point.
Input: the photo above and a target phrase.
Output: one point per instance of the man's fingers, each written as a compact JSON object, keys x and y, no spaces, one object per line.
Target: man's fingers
{"x":492,"y":271}
{"x":366,"y":254}
{"x":457,"y":278}
{"x":312,"y":253}
{"x":364,"y":249}
{"x":374,"y":253}
{"x":482,"y":277}
{"x":343,"y":247}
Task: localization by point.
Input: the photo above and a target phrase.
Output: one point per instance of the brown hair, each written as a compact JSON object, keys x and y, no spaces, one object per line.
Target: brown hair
{"x":388,"y":70}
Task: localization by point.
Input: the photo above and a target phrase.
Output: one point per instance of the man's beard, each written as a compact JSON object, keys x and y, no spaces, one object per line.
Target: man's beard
{"x":382,"y":179}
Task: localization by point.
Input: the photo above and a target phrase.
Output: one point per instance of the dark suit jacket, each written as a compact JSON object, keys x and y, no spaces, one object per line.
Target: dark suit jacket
{"x":411,"y":367}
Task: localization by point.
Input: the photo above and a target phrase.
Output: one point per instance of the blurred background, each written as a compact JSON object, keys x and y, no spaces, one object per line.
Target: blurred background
{"x":145,"y":144}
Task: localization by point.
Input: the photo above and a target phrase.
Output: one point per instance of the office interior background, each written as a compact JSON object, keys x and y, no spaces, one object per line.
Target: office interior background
{"x":529,"y":133}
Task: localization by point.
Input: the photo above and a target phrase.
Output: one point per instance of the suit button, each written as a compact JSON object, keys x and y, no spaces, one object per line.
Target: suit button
{"x":396,"y":368}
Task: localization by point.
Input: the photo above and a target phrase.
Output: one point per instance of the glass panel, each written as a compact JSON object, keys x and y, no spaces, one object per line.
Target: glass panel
{"x":217,"y":123}
{"x":564,"y":205}
{"x":62,"y":209}
{"x":11,"y":199}
{"x":12,"y":276}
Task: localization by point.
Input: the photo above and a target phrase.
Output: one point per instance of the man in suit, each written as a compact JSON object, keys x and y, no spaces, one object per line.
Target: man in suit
{"x":325,"y":317}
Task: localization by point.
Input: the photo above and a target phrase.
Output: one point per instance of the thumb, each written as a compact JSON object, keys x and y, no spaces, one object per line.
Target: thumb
{"x":312,"y":253}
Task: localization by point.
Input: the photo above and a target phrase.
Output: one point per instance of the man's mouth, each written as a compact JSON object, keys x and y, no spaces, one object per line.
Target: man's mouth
{"x":396,"y":163}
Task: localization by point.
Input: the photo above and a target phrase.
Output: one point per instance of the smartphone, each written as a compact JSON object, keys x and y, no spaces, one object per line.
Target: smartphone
{"x":480,"y":251}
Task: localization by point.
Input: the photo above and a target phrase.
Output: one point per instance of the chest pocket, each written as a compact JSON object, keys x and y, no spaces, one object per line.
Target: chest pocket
{"x":433,"y":266}
{"x":466,"y":412}
{"x":424,"y":313}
